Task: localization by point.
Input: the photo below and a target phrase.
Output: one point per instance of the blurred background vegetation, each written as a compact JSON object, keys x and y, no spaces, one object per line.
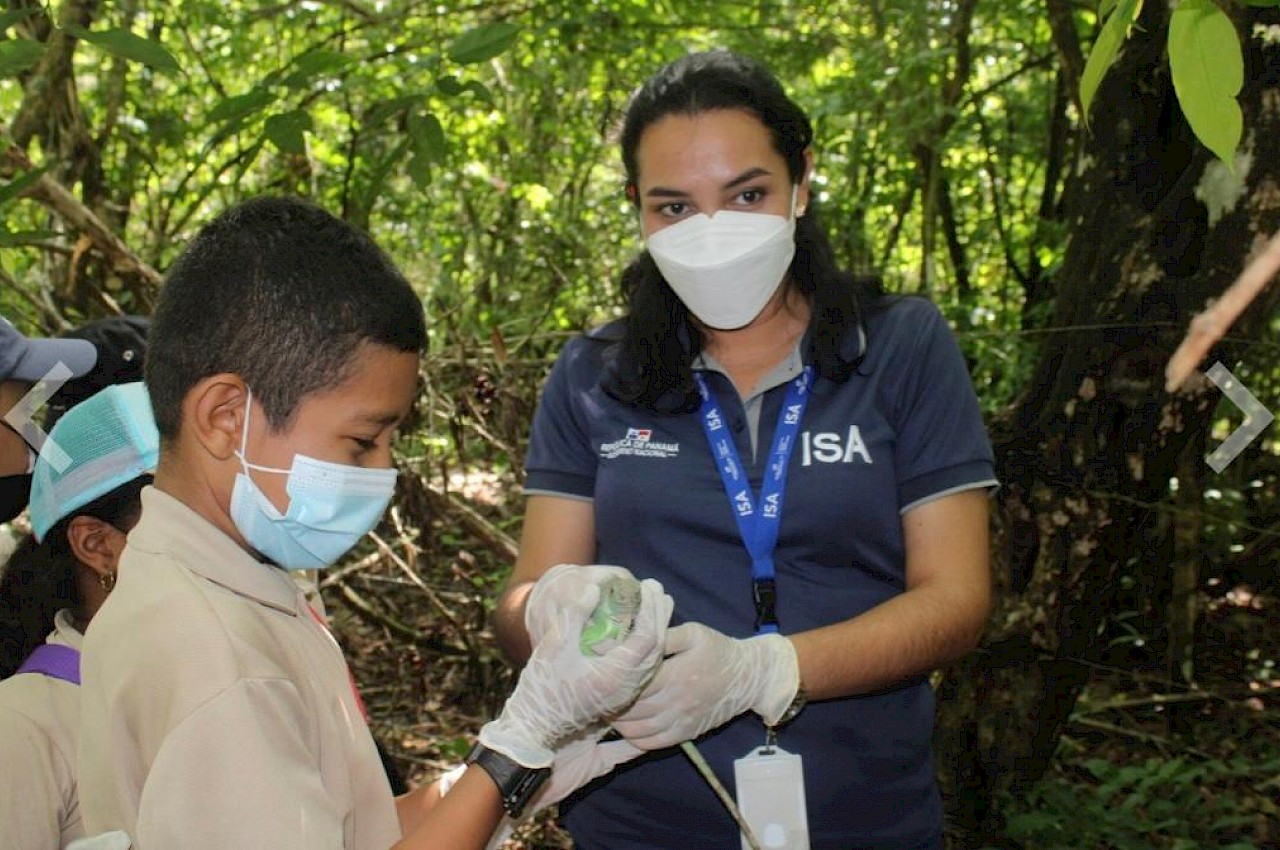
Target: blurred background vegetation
{"x":1126,"y":695}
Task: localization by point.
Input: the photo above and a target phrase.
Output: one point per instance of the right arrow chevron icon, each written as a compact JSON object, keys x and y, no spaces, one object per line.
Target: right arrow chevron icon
{"x":1256,"y":417}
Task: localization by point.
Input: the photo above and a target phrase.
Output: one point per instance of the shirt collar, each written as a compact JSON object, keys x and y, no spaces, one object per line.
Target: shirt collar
{"x":170,"y":527}
{"x":64,"y":630}
{"x":787,"y":369}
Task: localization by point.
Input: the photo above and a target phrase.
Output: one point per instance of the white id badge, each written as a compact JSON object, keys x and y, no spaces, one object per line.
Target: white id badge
{"x":770,"y":784}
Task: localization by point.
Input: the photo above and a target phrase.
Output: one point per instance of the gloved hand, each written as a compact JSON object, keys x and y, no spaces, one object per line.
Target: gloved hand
{"x":555,"y":593}
{"x":106,"y":841}
{"x":580,"y":759}
{"x":562,"y":690}
{"x":708,"y":679}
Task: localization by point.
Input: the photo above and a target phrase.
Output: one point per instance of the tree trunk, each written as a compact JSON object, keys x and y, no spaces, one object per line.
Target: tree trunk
{"x":1085,"y":457}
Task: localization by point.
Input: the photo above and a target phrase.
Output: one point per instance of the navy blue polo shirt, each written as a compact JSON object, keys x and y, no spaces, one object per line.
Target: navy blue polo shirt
{"x":904,"y":429}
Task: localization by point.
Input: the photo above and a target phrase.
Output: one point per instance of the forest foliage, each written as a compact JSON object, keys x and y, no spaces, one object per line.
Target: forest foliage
{"x":475,"y":141}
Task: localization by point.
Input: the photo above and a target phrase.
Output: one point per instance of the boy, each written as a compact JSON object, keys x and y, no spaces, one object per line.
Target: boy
{"x":217,"y":710}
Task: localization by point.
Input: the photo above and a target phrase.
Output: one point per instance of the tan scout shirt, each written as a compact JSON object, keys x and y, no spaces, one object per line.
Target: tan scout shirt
{"x":218,"y":713}
{"x":39,"y":718}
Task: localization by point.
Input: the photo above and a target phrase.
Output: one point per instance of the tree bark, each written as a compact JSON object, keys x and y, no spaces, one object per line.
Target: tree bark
{"x":1094,"y":440}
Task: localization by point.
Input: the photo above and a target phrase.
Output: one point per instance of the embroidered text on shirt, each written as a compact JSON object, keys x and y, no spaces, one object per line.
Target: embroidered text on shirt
{"x":639,"y":443}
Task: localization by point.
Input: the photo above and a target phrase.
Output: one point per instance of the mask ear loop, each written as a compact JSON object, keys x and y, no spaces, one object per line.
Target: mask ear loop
{"x":244,"y":442}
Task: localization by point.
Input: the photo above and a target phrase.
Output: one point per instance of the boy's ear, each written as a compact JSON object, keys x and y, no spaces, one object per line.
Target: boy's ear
{"x":214,"y":411}
{"x":96,"y":544}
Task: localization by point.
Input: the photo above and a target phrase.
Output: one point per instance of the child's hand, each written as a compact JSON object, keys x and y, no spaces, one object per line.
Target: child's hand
{"x":563,"y":690}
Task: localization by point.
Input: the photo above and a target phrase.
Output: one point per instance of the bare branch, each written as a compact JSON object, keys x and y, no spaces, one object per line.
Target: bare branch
{"x":66,"y":206}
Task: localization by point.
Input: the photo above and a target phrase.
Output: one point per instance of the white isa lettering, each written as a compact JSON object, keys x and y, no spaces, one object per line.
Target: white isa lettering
{"x":831,"y":447}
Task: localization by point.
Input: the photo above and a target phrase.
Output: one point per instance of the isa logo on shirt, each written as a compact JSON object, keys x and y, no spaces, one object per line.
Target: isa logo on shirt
{"x":638,"y":442}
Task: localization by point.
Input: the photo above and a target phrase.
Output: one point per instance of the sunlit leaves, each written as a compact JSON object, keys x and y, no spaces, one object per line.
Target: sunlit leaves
{"x":127,"y":45}
{"x":1105,"y":50}
{"x":483,"y":43}
{"x":1208,"y":73}
{"x":17,"y":55}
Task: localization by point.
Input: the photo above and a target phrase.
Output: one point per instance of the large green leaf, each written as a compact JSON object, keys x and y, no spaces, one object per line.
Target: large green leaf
{"x":426,"y":140}
{"x":287,"y":131}
{"x":1208,"y":73}
{"x":18,"y":55}
{"x":483,"y":42}
{"x":127,"y":45}
{"x":1105,"y":50}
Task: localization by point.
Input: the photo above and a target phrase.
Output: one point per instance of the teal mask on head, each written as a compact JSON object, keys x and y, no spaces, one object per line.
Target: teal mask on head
{"x":331,"y":506}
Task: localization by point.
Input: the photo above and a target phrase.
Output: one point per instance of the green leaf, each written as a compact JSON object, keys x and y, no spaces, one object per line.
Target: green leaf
{"x":15,"y":187}
{"x":14,"y":16}
{"x":312,"y":64}
{"x":481,"y":91}
{"x":449,"y":86}
{"x":1105,"y":7}
{"x":127,"y":45}
{"x":387,"y":108}
{"x":1105,"y":50}
{"x":287,"y":131}
{"x":426,"y":140}
{"x":483,"y":42}
{"x":241,"y":106}
{"x":426,"y":137}
{"x":16,"y":238}
{"x":1208,"y":73}
{"x":18,"y":55}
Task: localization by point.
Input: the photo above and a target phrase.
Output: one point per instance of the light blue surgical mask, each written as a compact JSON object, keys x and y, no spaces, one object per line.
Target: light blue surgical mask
{"x":331,"y":506}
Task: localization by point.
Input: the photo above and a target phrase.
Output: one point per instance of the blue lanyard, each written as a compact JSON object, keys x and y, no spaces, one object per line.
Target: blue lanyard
{"x":758,"y":522}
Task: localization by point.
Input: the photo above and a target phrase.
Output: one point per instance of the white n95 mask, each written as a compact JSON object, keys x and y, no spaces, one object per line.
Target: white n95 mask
{"x":726,"y":267}
{"x":331,"y":506}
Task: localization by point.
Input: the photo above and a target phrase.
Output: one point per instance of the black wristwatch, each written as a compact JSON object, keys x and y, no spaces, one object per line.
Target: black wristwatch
{"x":798,"y":702}
{"x":516,"y":783}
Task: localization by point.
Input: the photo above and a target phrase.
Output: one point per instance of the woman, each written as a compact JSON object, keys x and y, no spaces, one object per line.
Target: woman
{"x":84,"y":500}
{"x":801,"y":463}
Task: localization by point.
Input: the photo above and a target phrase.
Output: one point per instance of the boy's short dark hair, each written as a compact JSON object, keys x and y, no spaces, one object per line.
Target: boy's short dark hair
{"x":281,"y":293}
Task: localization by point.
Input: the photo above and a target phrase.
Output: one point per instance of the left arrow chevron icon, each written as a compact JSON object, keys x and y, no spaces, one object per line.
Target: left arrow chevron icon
{"x":1256,"y":417}
{"x":21,"y":417}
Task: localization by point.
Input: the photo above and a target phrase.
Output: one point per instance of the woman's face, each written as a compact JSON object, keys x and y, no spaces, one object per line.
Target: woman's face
{"x":722,"y":159}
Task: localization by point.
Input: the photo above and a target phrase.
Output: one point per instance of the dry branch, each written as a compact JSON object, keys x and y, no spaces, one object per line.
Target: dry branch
{"x":1210,"y":326}
{"x":66,"y":206}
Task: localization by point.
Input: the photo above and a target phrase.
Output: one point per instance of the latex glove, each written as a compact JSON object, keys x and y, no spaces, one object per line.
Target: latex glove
{"x":106,"y":841}
{"x":556,"y":593}
{"x":708,"y":679}
{"x":562,"y":690}
{"x":580,"y":759}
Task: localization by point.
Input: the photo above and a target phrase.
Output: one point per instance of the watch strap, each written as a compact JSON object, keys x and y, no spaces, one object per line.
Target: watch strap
{"x":516,"y":783}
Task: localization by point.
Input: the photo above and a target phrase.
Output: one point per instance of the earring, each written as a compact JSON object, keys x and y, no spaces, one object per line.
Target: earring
{"x":107,"y":581}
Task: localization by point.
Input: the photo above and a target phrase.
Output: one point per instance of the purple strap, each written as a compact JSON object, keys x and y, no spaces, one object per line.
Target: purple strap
{"x":54,"y":660}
